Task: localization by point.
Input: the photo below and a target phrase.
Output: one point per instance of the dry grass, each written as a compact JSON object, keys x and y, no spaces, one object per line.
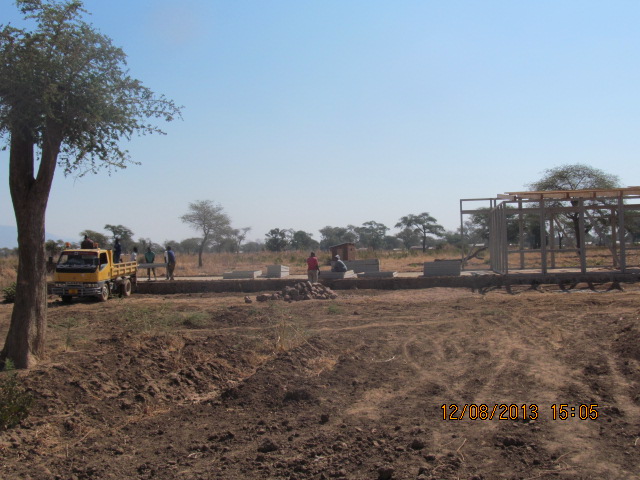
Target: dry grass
{"x":218,"y":263}
{"x":8,"y":270}
{"x":400,"y":261}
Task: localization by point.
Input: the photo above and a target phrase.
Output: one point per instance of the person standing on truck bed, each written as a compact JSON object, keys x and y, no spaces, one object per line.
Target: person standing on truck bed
{"x":171,"y":263}
{"x":87,"y":243}
{"x":149,"y":257}
{"x":117,"y":251}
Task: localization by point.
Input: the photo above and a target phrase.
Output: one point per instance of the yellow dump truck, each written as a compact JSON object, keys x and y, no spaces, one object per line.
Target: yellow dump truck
{"x":92,"y":273}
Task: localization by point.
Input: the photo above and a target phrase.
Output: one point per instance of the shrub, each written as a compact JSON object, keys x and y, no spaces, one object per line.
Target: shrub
{"x":15,"y":401}
{"x":9,"y":293}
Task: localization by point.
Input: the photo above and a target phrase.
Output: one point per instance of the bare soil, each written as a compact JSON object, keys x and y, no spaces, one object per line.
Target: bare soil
{"x":208,"y":387}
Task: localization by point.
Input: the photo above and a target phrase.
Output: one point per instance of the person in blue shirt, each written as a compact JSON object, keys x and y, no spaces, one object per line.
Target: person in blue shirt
{"x":171,"y":263}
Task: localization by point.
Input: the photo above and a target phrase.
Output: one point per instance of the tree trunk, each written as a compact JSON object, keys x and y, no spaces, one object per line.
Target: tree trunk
{"x":200,"y":255}
{"x":201,"y":248}
{"x":575,"y":220}
{"x":25,"y":340}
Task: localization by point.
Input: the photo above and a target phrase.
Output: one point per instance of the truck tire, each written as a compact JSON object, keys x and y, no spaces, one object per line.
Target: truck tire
{"x":125,"y":288}
{"x":66,"y":298}
{"x":104,"y":293}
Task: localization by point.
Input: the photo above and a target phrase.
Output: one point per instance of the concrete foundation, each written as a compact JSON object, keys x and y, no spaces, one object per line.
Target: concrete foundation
{"x":474,"y":282}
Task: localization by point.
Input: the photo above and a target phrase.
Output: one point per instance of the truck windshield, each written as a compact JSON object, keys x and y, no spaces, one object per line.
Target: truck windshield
{"x":77,"y":260}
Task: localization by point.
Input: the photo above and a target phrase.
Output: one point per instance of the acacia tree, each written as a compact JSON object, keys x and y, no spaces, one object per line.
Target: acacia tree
{"x":65,"y":99}
{"x":123,"y":234}
{"x":576,"y":177}
{"x":409,"y":237}
{"x":371,"y":234}
{"x":238,"y":235}
{"x":210,"y":220}
{"x":423,"y":224}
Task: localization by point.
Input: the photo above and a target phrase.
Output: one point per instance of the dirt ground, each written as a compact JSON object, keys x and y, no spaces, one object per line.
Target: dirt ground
{"x":362,"y":387}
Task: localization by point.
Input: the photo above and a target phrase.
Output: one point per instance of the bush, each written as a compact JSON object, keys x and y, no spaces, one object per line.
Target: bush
{"x":9,"y":293}
{"x":15,"y":401}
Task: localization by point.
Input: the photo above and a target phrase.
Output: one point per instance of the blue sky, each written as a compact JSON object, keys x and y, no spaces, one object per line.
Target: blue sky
{"x":302,"y":114}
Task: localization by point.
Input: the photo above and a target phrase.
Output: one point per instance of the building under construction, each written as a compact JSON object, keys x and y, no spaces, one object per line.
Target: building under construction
{"x":538,"y":232}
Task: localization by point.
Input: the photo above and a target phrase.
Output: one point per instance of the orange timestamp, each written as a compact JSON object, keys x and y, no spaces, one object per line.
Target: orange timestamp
{"x":525,"y":411}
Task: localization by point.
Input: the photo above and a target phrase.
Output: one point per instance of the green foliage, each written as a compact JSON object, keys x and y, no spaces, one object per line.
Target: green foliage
{"x":195,"y":320}
{"x":334,"y":309}
{"x":15,"y":401}
{"x":209,"y":219}
{"x":335,"y":236}
{"x":575,"y":177}
{"x":123,"y":234}
{"x":371,"y":234}
{"x":9,"y":293}
{"x":68,"y":325}
{"x":409,"y":237}
{"x":160,"y":320}
{"x":277,"y":240}
{"x":65,"y":82}
{"x":423,"y":225}
{"x":301,"y":240}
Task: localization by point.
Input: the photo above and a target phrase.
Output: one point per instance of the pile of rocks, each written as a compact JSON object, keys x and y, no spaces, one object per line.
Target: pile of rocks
{"x":300,"y":291}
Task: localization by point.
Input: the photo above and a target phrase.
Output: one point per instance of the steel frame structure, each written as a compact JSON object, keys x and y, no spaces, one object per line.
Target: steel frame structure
{"x":605,"y":210}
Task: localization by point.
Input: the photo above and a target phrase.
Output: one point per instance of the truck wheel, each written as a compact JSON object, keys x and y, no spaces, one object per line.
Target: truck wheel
{"x":104,"y":293}
{"x":125,"y":288}
{"x":66,"y":298}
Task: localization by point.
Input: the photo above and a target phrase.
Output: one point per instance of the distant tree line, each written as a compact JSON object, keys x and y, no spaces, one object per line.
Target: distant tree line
{"x":414,"y":231}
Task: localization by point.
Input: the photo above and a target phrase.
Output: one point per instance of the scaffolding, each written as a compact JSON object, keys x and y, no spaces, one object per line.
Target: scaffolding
{"x":535,"y":230}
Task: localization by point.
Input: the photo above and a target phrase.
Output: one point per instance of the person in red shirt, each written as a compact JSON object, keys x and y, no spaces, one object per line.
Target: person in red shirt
{"x":313,"y":268}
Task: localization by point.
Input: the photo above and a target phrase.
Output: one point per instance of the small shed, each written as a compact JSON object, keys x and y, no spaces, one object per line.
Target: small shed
{"x":347,"y":251}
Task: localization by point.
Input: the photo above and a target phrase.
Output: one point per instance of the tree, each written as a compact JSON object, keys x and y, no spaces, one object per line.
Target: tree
{"x":65,"y":99}
{"x":238,"y":236}
{"x":371,"y":234}
{"x":252,"y":247}
{"x":424,"y":224}
{"x":54,"y":247}
{"x":453,"y":238}
{"x":336,"y":235}
{"x":390,"y":242}
{"x":277,"y":240}
{"x":124,"y":234}
{"x":144,"y":243}
{"x":301,"y":240}
{"x":576,"y":177}
{"x":210,"y":220}
{"x":190,"y":245}
{"x":409,"y":237}
{"x":477,"y":227}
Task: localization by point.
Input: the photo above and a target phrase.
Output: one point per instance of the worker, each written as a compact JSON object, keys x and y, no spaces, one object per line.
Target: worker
{"x":87,"y":243}
{"x":171,"y":263}
{"x":339,"y":265}
{"x":150,"y":257}
{"x":313,"y":268}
